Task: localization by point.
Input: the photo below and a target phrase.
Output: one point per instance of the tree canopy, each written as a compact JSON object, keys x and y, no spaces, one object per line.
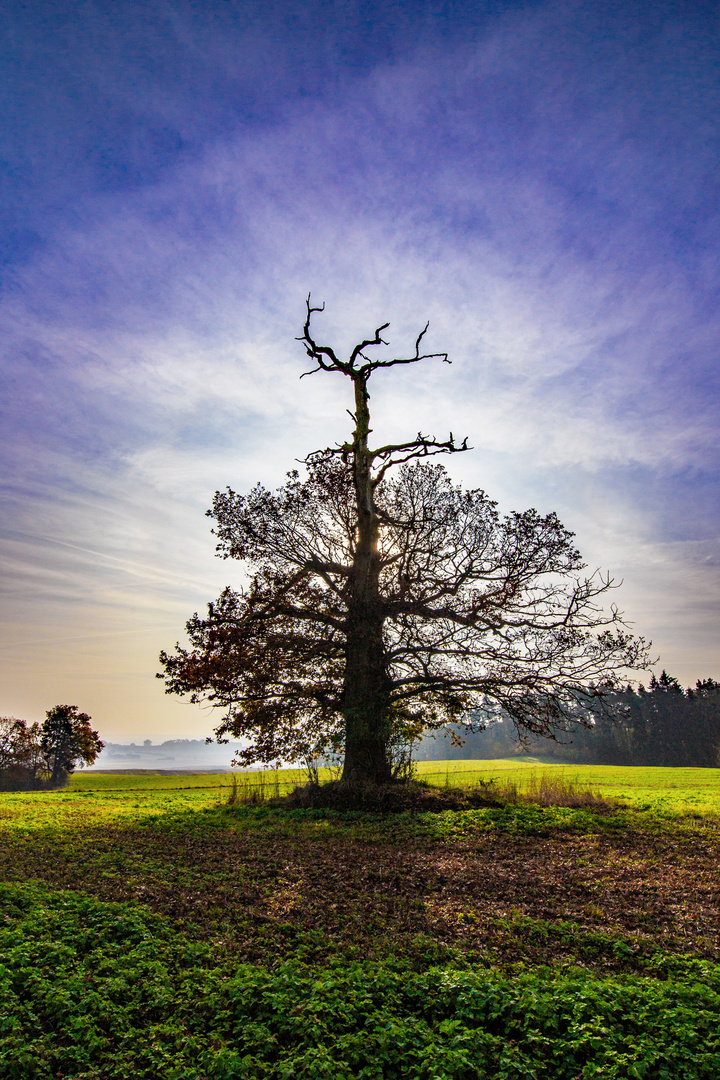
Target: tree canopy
{"x":67,"y":740}
{"x":33,"y":754}
{"x":384,"y":600}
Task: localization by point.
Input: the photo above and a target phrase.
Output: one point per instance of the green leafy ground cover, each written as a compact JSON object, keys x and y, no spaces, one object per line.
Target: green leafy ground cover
{"x":149,"y":930}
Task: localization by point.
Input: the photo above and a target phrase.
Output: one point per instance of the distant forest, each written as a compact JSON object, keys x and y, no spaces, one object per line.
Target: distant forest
{"x":661,"y":725}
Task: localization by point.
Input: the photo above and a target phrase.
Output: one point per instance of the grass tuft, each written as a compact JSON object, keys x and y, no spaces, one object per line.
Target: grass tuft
{"x":417,"y":796}
{"x":252,"y":789}
{"x":542,"y":790}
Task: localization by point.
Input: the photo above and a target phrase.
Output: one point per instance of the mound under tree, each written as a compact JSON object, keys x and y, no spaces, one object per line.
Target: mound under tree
{"x":385,"y":600}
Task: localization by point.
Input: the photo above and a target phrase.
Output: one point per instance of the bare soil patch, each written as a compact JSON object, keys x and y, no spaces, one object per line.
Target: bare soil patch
{"x":507,"y":896}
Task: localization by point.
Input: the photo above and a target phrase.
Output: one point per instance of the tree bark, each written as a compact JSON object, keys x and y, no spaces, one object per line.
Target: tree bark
{"x":365,"y":704}
{"x":366,"y":687}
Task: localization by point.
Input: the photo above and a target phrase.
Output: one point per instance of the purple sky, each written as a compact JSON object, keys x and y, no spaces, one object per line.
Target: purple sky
{"x":538,"y":180}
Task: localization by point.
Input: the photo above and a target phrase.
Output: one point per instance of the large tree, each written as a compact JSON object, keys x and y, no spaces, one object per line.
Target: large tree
{"x":384,"y":599}
{"x":67,"y":740}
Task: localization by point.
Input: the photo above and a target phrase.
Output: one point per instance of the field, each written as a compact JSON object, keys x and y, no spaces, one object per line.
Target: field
{"x":150,"y":930}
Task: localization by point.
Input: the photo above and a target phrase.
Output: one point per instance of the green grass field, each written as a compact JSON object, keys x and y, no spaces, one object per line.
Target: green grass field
{"x":149,"y":930}
{"x":672,"y":790}
{"x":132,"y":794}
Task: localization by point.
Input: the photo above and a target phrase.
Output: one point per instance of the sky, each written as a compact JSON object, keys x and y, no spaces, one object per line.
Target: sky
{"x":538,"y":180}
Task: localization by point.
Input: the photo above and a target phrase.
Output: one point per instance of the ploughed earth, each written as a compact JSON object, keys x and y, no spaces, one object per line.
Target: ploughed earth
{"x":597,"y":898}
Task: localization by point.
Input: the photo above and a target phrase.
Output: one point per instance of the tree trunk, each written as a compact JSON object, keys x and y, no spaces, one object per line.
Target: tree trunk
{"x":365,"y":704}
{"x":365,"y":689}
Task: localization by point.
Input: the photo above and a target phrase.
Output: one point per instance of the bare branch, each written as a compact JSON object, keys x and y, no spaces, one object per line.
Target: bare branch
{"x":375,"y":340}
{"x":319,"y":352}
{"x":327,"y":360}
{"x":421,"y":447}
{"x":421,"y":444}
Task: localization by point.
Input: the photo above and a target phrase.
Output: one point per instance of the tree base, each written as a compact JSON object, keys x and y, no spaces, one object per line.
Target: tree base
{"x":402,"y":797}
{"x":21,"y":780}
{"x":392,"y":798}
